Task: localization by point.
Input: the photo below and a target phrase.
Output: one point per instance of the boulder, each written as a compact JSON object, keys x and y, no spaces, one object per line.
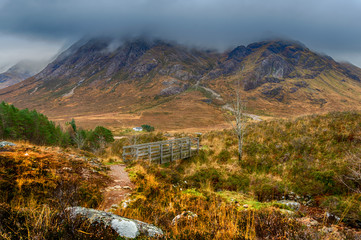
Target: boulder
{"x":125,"y":227}
{"x":4,"y":143}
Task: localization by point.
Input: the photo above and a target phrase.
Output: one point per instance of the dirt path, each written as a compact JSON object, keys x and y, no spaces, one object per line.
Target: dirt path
{"x":118,"y":189}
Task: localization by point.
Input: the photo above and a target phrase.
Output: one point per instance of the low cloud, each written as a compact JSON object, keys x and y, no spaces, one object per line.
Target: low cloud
{"x":329,"y":26}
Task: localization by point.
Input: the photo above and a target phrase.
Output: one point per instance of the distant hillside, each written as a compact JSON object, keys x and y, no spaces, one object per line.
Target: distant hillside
{"x":174,"y":87}
{"x":19,"y":72}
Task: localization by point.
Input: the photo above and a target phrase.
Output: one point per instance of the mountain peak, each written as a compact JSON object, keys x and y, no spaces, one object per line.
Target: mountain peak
{"x":278,"y":45}
{"x":133,"y":74}
{"x":20,"y":71}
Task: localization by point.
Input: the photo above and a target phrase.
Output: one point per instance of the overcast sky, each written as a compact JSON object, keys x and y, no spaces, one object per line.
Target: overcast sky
{"x":38,"y":29}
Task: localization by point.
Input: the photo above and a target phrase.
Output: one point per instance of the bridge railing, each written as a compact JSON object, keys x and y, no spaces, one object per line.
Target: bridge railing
{"x":163,"y":151}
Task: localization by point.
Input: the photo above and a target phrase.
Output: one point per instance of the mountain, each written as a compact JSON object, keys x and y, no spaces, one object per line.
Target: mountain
{"x":127,"y":83}
{"x":20,"y":72}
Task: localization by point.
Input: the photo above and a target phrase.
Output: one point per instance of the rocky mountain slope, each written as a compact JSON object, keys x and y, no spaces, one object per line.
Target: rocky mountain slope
{"x":127,"y":83}
{"x":19,"y":72}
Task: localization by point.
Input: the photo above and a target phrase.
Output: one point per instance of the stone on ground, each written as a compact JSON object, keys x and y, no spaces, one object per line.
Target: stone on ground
{"x":125,"y":227}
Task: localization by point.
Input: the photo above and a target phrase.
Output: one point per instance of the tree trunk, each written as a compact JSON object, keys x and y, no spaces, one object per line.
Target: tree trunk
{"x":239,"y":148}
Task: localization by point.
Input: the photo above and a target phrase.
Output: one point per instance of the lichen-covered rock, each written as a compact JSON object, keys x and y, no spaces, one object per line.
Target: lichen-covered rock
{"x":125,"y":227}
{"x":5,"y":143}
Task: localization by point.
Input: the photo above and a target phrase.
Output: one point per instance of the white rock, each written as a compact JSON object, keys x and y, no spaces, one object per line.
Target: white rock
{"x":5,"y":143}
{"x":125,"y":227}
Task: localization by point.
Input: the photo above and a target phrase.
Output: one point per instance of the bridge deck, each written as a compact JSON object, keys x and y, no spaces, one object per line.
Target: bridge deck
{"x":163,"y":151}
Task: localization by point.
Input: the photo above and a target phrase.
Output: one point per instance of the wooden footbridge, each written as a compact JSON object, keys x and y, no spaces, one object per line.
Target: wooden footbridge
{"x":162,"y":152}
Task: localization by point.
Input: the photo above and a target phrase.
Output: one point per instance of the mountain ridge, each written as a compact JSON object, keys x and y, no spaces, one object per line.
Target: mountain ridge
{"x":19,"y":72}
{"x":140,"y":77}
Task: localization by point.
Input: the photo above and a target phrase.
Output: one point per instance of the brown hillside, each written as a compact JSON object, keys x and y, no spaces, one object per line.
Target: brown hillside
{"x":173,"y":87}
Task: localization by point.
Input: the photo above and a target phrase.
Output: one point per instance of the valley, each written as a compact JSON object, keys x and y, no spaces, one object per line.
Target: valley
{"x":177,"y":120}
{"x":297,"y":176}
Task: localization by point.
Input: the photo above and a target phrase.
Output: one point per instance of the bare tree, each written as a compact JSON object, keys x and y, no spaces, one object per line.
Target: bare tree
{"x":238,"y":119}
{"x":80,"y":139}
{"x":352,"y":179}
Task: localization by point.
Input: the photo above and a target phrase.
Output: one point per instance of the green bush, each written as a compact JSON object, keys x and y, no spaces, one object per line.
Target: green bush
{"x":327,"y":178}
{"x":203,"y":176}
{"x":99,"y":137}
{"x":117,"y":146}
{"x":147,"y":128}
{"x":30,"y":125}
{"x":237,"y":182}
{"x":224,"y":156}
{"x":35,"y":127}
{"x":266,"y":189}
{"x":348,"y":207}
{"x":91,"y":140}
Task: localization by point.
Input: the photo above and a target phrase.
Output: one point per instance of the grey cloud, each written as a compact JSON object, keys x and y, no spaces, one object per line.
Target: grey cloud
{"x":329,"y":26}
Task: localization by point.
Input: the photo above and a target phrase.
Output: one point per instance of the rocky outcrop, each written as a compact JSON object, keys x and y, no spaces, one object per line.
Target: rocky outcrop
{"x":293,"y":205}
{"x":125,"y":227}
{"x":274,"y":66}
{"x":177,"y":71}
{"x":172,"y":90}
{"x":232,"y":63}
{"x":239,"y":53}
{"x":140,"y":70}
{"x":275,"y":92}
{"x":173,"y":87}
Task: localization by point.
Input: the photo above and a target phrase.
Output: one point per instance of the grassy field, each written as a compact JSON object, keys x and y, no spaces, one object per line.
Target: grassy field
{"x":310,"y":160}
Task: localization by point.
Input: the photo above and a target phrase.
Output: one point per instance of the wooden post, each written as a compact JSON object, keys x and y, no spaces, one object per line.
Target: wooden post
{"x":190,"y":147}
{"x":161,"y":152}
{"x":171,"y":151}
{"x":137,"y":153}
{"x":150,"y":153}
{"x":197,"y":145}
{"x":180,"y":151}
{"x":124,"y":154}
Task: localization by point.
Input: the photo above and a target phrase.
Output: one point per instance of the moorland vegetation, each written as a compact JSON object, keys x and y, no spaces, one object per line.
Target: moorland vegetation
{"x":313,"y":160}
